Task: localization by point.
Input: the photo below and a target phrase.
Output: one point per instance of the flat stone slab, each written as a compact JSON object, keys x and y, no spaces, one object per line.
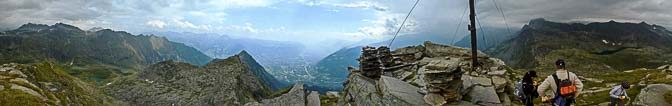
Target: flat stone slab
{"x":402,"y":90}
{"x":484,"y":96}
{"x":468,"y":81}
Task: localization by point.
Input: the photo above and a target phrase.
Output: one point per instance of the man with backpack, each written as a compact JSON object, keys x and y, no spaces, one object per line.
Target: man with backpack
{"x":525,"y":89}
{"x":564,"y":85}
{"x":529,"y":87}
{"x":618,"y":94}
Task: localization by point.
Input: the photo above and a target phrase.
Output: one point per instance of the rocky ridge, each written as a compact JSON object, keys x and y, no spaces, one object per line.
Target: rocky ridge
{"x":231,"y":81}
{"x":431,"y":74}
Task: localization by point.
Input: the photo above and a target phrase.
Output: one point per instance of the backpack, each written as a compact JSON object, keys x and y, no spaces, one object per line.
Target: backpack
{"x":519,"y":93}
{"x":565,"y":87}
{"x":564,"y":94}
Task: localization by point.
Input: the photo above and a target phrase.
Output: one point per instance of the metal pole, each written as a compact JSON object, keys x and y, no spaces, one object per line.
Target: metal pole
{"x":472,"y":29}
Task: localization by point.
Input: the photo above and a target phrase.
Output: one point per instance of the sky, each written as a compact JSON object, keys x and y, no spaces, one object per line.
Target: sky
{"x":320,"y":23}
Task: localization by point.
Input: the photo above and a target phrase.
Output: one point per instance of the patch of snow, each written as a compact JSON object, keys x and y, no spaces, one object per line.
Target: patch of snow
{"x":149,"y":81}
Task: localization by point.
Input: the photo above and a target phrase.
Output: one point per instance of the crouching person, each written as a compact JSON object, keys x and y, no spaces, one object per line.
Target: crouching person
{"x":618,"y":94}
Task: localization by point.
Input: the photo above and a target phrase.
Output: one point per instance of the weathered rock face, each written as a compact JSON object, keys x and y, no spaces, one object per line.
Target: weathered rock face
{"x":362,"y":90}
{"x":432,"y":74}
{"x":231,"y":81}
{"x":652,"y":95}
{"x":297,"y":96}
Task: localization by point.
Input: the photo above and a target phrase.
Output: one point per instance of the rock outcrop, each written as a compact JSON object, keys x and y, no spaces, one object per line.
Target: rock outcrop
{"x":653,"y":95}
{"x":432,"y":74}
{"x":297,"y":96}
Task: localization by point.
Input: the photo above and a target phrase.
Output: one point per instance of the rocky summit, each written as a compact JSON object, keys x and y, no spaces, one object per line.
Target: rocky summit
{"x":429,"y":74}
{"x":230,"y":81}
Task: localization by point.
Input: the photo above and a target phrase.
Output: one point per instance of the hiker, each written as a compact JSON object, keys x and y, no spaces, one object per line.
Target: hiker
{"x":564,"y":85}
{"x":618,"y":94}
{"x":529,"y":87}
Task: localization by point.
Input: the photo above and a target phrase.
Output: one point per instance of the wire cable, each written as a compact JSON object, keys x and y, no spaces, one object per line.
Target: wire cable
{"x":485,"y":42}
{"x":501,"y":11}
{"x":452,"y":41}
{"x":402,"y":24}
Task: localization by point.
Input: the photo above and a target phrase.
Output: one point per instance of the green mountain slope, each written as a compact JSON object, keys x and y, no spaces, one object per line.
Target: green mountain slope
{"x":94,"y":55}
{"x":46,"y":83}
{"x":588,"y":48}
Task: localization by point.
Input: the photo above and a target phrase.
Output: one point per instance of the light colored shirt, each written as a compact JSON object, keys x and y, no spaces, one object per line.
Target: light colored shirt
{"x":618,"y":91}
{"x":549,"y":82}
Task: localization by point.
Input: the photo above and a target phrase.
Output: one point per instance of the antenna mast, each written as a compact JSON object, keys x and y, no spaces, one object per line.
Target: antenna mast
{"x":472,"y":29}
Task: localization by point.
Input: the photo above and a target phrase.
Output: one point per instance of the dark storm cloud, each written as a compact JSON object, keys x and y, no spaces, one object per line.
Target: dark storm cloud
{"x":520,"y":12}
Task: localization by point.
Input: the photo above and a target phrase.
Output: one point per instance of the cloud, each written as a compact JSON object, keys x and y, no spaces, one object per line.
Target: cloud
{"x":156,"y":23}
{"x":521,"y":11}
{"x":384,"y":26}
{"x":363,"y":4}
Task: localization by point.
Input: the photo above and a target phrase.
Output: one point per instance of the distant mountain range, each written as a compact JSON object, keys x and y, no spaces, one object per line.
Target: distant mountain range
{"x":94,"y":55}
{"x":487,"y":38}
{"x":591,"y":48}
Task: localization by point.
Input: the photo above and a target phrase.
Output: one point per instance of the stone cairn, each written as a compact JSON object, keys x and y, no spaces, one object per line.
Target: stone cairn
{"x":374,"y":62}
{"x":369,"y":65}
{"x":443,"y":80}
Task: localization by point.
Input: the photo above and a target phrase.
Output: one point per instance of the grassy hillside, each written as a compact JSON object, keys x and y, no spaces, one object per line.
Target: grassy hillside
{"x":46,"y":83}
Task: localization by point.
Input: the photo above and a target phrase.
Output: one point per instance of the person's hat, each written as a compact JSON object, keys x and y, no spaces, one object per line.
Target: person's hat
{"x":560,"y":62}
{"x":625,"y":85}
{"x":532,"y":73}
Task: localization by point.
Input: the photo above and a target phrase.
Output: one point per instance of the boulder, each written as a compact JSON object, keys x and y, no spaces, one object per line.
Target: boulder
{"x":483,"y":96}
{"x":313,"y":99}
{"x":3,"y":69}
{"x":360,"y":90}
{"x":462,"y":103}
{"x":497,"y":72}
{"x":332,"y":94}
{"x":17,"y":73}
{"x":295,"y":97}
{"x":500,"y":83}
{"x":434,"y":99}
{"x":469,"y":81}
{"x":653,"y":95}
{"x":665,"y":67}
